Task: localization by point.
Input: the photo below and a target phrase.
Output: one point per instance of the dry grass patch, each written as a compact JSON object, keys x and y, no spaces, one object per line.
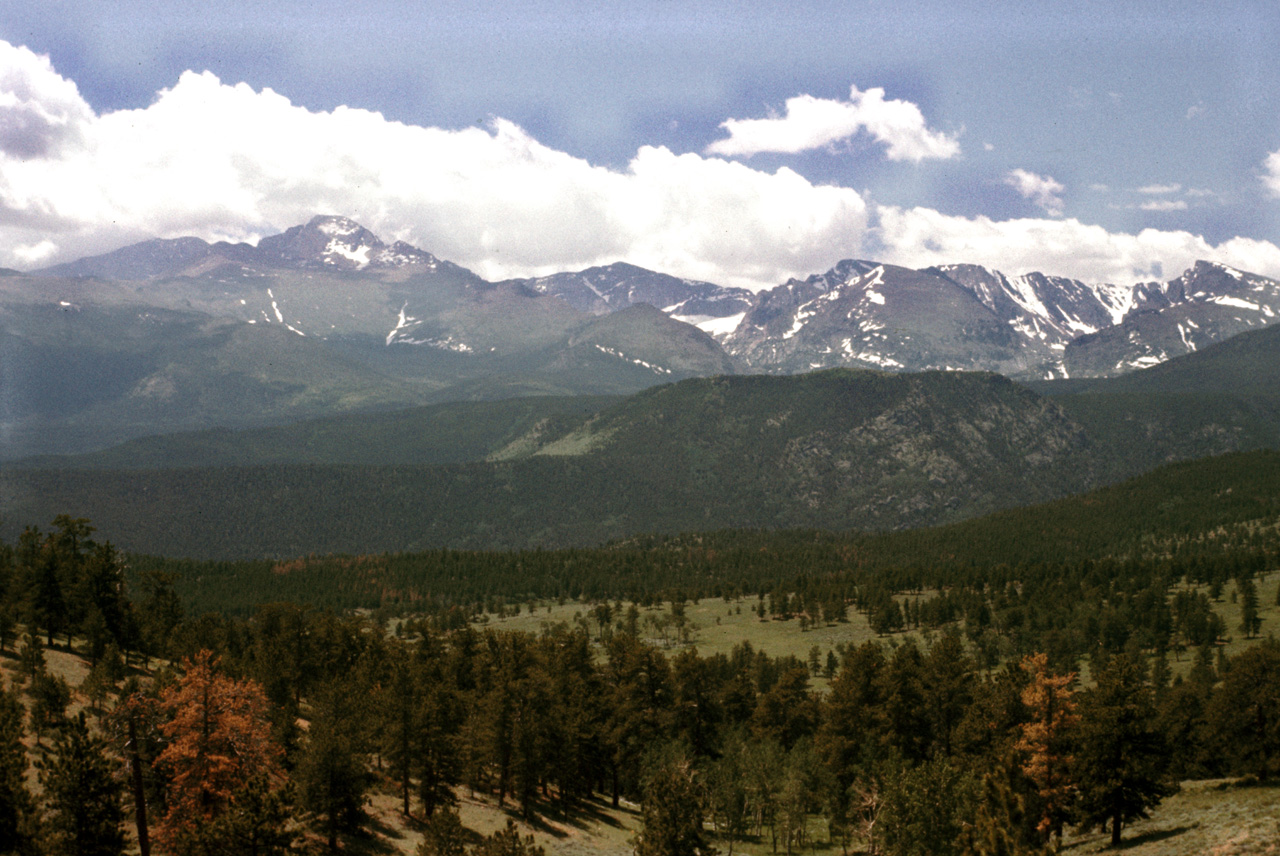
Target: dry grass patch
{"x":1207,"y":818}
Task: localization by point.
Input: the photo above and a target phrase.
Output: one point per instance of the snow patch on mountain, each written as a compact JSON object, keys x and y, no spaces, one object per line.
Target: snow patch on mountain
{"x":404,"y":323}
{"x":616,"y":353}
{"x":713,"y":326}
{"x":359,"y":255}
{"x":1224,"y":300}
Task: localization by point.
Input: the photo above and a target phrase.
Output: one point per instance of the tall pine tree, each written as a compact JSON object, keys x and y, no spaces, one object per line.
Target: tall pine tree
{"x":18,"y":817}
{"x":1045,"y":740}
{"x":1121,"y":757}
{"x":85,"y":815}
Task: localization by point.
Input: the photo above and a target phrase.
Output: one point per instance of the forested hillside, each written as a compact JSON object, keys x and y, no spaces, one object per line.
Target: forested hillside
{"x":1053,"y":577}
{"x":839,"y":449}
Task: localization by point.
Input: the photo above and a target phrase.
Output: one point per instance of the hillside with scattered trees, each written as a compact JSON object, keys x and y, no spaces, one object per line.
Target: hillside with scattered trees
{"x":1066,"y":683}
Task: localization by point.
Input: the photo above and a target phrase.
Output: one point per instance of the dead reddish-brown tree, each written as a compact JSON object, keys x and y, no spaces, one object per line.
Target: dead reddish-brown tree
{"x":219,"y":743}
{"x":1045,"y":740}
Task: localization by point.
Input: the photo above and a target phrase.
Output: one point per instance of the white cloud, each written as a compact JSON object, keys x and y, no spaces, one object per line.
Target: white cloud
{"x":1040,"y":189}
{"x":1271,"y":176}
{"x":1195,"y":110}
{"x":1159,"y":189}
{"x":919,"y":236}
{"x":814,"y":123}
{"x":40,"y":112}
{"x":1164,"y":205}
{"x":35,"y":254}
{"x":228,"y":162}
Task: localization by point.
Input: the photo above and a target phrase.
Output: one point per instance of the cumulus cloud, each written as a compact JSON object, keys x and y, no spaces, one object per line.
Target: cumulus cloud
{"x":228,"y":162}
{"x":40,"y":112}
{"x":815,"y":123}
{"x":1040,"y":189}
{"x":921,"y":236}
{"x":1164,"y":205}
{"x":1271,"y":173}
{"x":1159,"y":189}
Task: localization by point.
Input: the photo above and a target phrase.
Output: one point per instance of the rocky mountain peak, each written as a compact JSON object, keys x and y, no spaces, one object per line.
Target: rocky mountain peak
{"x":333,"y":242}
{"x":325,"y":241}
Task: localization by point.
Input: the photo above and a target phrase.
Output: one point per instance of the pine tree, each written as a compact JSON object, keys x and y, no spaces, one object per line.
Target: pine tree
{"x":671,"y":814}
{"x":18,"y":817}
{"x":398,"y":705}
{"x":85,"y":813}
{"x":31,"y":657}
{"x":50,"y":696}
{"x":1045,"y":740}
{"x":443,"y":835}
{"x":333,"y":775}
{"x":1250,"y":621}
{"x":726,"y":793}
{"x":508,"y":842}
{"x":948,"y":683}
{"x":259,"y":820}
{"x":925,"y":807}
{"x":1001,"y":826}
{"x":1120,"y":758}
{"x":48,"y":602}
{"x":219,"y":743}
{"x":1245,"y":712}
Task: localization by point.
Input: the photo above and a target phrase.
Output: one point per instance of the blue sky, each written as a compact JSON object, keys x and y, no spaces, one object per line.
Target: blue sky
{"x":1037,"y":135}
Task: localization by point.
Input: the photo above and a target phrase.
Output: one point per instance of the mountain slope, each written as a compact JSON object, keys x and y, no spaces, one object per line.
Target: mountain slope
{"x":861,"y":313}
{"x":179,"y":339}
{"x":839,"y":449}
{"x":450,"y":433}
{"x":600,"y":290}
{"x":1221,"y":399}
{"x":1207,"y":304}
{"x":331,"y":277}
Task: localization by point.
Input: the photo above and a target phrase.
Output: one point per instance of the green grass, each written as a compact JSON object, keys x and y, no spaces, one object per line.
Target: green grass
{"x":718,"y":625}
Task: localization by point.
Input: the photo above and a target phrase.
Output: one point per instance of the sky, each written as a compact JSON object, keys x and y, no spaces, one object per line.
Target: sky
{"x":738,"y":143}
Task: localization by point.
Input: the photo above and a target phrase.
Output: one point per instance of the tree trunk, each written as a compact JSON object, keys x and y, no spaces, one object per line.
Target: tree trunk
{"x":1115,"y":829}
{"x":139,"y":795}
{"x":404,"y":785}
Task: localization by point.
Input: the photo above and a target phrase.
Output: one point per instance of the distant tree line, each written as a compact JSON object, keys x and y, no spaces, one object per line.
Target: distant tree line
{"x":1160,"y":599}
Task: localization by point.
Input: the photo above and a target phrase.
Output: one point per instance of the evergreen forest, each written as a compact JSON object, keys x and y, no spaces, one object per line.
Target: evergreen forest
{"x":1025,"y":679}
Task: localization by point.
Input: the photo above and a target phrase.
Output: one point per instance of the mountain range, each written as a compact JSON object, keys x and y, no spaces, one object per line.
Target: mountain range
{"x":858,"y":313}
{"x":327,"y":318}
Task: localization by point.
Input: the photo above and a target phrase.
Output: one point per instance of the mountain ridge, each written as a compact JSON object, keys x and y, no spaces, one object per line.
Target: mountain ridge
{"x":427,"y":330}
{"x":857,"y":313}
